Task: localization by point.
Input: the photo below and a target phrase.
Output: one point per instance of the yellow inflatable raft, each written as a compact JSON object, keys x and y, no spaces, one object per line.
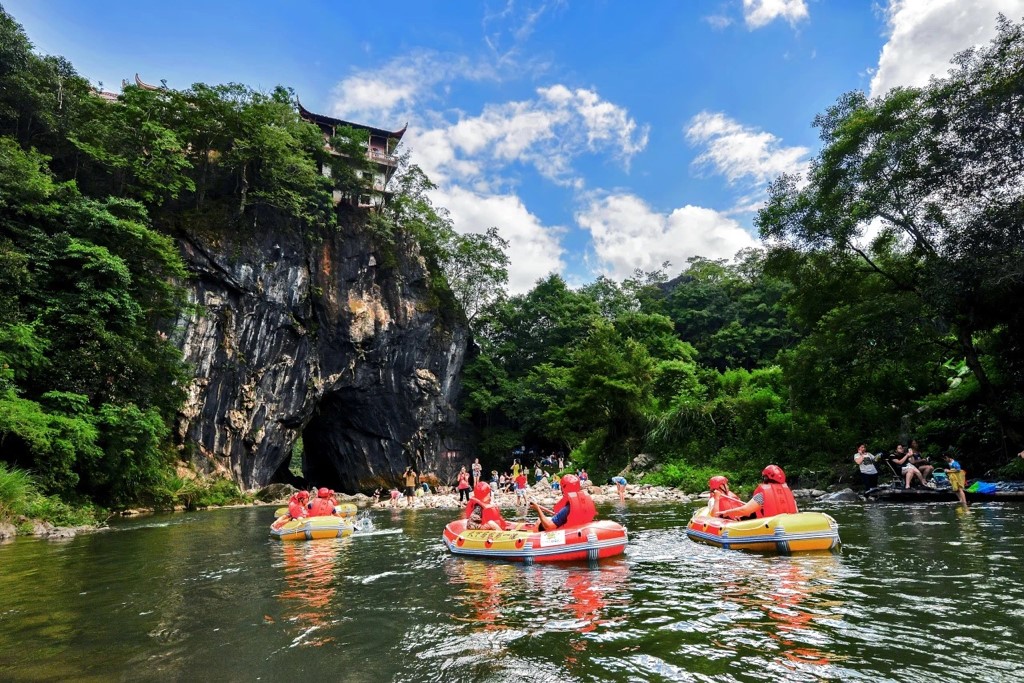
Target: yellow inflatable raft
{"x":308,"y":528}
{"x":787,"y":533}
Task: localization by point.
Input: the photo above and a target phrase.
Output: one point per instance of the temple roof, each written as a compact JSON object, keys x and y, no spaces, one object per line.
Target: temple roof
{"x":145,"y":86}
{"x":321,"y":120}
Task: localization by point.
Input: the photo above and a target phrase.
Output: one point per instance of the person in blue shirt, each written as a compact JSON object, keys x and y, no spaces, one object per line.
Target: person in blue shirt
{"x":620,"y":487}
{"x":957,"y":478}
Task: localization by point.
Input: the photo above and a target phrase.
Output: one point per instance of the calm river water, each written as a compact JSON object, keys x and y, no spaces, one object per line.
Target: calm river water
{"x":922,"y":593}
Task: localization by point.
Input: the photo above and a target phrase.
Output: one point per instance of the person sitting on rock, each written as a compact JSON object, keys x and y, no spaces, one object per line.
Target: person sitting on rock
{"x":921,"y":463}
{"x":772,"y":497}
{"x":297,"y":505}
{"x":323,"y":506}
{"x":902,"y":459}
{"x":574,"y":508}
{"x":481,"y":512}
{"x":722,"y":498}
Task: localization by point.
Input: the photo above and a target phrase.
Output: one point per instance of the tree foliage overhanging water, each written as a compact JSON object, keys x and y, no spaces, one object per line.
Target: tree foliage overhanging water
{"x":883,"y":306}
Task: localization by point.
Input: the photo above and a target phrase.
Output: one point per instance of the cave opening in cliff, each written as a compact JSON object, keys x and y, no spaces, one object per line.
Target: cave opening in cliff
{"x":328,"y":445}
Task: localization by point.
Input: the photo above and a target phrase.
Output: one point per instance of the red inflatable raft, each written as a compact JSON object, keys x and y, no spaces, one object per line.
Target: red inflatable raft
{"x":523,"y":543}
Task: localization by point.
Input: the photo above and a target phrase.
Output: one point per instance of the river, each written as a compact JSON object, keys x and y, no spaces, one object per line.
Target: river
{"x":917,"y":593}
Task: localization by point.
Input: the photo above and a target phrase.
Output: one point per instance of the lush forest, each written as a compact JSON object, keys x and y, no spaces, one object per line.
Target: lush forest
{"x":92,"y":194}
{"x":884,"y":306}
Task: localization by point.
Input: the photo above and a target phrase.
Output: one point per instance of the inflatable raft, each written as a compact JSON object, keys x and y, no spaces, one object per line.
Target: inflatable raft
{"x":524,"y":543}
{"x":308,"y":528}
{"x":787,"y":533}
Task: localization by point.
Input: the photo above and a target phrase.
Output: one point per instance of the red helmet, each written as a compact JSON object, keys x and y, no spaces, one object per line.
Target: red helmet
{"x":569,"y":483}
{"x":482,"y":490}
{"x":774,"y":473}
{"x":323,"y":492}
{"x":302,"y":495}
{"x":718,"y":482}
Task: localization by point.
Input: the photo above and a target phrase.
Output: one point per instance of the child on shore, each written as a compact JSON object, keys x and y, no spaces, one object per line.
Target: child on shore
{"x":957,"y":478}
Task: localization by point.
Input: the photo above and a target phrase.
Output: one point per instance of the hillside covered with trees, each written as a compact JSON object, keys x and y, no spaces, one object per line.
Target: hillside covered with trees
{"x":885,"y":304}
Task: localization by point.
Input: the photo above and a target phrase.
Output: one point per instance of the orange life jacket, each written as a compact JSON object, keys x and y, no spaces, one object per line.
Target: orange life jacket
{"x":581,"y":508}
{"x":321,"y":507}
{"x":489,"y":512}
{"x":728,"y":501}
{"x":778,"y":499}
{"x":296,"y":509}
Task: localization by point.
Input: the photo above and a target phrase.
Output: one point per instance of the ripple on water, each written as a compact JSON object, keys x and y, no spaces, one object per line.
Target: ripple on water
{"x":916,"y":594}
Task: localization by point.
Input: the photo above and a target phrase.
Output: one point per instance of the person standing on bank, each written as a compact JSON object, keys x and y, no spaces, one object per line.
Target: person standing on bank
{"x":477,"y":471}
{"x":410,"y":483}
{"x":463,"y":485}
{"x":866,"y":462}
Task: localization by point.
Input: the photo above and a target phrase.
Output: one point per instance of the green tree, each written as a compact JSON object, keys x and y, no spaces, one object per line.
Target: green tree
{"x":933,"y":173}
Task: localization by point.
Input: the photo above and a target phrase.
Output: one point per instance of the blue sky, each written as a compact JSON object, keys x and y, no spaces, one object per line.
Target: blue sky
{"x":599,"y":136}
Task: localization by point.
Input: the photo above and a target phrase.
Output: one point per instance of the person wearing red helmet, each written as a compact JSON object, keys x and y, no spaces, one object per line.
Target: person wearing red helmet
{"x":771,"y":498}
{"x":722,"y":498}
{"x":297,"y":505}
{"x":481,"y":511}
{"x":575,"y":508}
{"x":323,"y":506}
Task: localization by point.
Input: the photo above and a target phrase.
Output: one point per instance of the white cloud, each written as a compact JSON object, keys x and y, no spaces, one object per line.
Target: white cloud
{"x":401,"y":85}
{"x":925,"y":34}
{"x":758,"y":13}
{"x":547,"y":132}
{"x":628,"y":234}
{"x":718,"y":21}
{"x":534,"y":250}
{"x":742,"y":152}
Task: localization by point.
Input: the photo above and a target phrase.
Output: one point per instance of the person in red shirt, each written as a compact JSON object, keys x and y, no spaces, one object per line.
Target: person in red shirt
{"x":521,"y":488}
{"x":463,"y":485}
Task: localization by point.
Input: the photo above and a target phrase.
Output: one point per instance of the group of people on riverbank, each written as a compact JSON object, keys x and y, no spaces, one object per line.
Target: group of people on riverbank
{"x":911,"y":465}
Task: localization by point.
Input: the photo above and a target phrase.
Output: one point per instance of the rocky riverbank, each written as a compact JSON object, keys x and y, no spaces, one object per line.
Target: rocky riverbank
{"x":278,"y":494}
{"x":543,"y":493}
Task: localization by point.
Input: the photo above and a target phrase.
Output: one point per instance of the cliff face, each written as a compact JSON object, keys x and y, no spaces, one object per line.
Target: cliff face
{"x":317,"y":337}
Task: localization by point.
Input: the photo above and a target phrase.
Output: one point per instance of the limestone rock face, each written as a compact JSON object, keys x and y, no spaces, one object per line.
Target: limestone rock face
{"x":322,"y":336}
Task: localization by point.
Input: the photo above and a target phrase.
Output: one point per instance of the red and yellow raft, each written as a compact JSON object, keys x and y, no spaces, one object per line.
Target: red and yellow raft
{"x":308,"y":528}
{"x":524,"y":543}
{"x":787,"y":533}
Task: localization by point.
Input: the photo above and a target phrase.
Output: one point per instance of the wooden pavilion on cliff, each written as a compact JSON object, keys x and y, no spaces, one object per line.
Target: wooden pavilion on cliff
{"x":380,"y":148}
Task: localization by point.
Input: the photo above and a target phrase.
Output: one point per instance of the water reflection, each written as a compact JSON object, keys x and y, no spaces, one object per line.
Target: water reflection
{"x":570,"y":598}
{"x":778,"y":606}
{"x":309,"y":593}
{"x":915,"y":595}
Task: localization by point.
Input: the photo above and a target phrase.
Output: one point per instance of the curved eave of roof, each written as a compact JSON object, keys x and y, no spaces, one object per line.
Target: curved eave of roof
{"x":328,"y":121}
{"x":145,"y":86}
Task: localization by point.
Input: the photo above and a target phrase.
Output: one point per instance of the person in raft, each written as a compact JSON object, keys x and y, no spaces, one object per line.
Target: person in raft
{"x":957,"y":478}
{"x":772,"y":497}
{"x":324,"y":504}
{"x":481,"y":511}
{"x":722,"y":498}
{"x":297,"y":505}
{"x":574,"y":508}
